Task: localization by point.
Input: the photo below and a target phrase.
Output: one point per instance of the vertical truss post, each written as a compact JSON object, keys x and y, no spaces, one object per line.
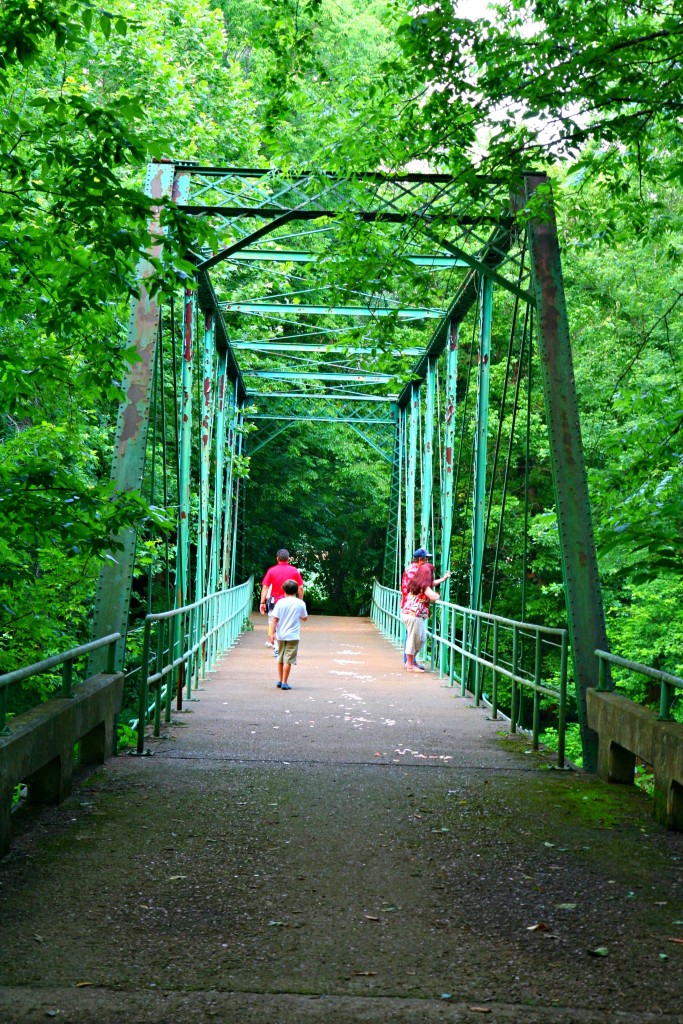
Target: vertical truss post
{"x":447,"y":479}
{"x":411,"y":481}
{"x":480,"y":443}
{"x":227,"y":546}
{"x":585,"y":613}
{"x":205,"y":453}
{"x":428,"y":456}
{"x":184,"y":487}
{"x":240,"y":506}
{"x":218,"y":492}
{"x":391,"y":545}
{"x":114,"y":587}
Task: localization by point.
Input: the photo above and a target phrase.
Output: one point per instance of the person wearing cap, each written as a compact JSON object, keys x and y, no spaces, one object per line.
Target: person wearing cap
{"x":415,"y":601}
{"x":272,"y":592}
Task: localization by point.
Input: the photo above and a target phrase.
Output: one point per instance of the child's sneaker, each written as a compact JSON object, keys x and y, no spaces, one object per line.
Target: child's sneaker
{"x":285,"y":686}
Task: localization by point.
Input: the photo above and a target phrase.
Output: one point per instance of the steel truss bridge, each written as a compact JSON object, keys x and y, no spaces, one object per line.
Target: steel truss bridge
{"x":302,"y":307}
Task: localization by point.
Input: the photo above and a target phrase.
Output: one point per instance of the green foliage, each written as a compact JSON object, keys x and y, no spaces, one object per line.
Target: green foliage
{"x":323,"y":496}
{"x":545,"y":81}
{"x":89,"y":96}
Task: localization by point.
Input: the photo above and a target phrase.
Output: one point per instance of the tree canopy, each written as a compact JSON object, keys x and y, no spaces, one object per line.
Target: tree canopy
{"x":590,"y":92}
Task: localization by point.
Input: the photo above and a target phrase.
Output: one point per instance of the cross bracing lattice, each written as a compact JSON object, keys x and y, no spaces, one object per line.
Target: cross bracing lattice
{"x":346,"y":284}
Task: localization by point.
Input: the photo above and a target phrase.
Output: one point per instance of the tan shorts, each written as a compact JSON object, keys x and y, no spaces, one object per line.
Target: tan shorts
{"x":417,"y":633}
{"x":286,"y":651}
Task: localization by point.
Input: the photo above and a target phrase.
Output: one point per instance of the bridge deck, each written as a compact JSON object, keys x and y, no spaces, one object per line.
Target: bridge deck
{"x":364,"y":847}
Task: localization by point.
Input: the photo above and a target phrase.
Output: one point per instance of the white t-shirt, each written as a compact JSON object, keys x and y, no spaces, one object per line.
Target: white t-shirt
{"x":289,"y":611}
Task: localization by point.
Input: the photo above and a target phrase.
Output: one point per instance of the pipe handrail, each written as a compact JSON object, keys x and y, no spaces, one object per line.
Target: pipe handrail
{"x":201,"y":632}
{"x":667,"y":681}
{"x":445,"y":646}
{"x":66,"y":659}
{"x":38,"y":667}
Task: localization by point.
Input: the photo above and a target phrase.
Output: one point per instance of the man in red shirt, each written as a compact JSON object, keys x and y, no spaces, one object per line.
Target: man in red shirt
{"x":275,"y":577}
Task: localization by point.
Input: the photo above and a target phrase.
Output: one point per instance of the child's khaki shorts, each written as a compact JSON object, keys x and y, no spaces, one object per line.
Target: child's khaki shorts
{"x":286,"y":651}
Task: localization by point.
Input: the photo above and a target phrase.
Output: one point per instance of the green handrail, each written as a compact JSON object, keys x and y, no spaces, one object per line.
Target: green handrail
{"x":207,"y":628}
{"x":66,"y":659}
{"x":466,"y":641}
{"x":668,"y":683}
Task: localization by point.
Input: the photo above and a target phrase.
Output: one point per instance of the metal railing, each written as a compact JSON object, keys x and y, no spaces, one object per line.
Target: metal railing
{"x":460,"y":649}
{"x":186,"y":645}
{"x":66,"y":659}
{"x":668,"y":683}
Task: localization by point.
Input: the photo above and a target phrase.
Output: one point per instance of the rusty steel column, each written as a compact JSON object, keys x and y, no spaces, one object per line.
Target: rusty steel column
{"x":114,"y":587}
{"x":585,"y":613}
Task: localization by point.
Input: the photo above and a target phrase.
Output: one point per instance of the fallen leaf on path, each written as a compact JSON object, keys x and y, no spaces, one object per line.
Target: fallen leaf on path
{"x":177,"y":878}
{"x":364,"y":974}
{"x":540,"y":927}
{"x":84,"y":984}
{"x":370,"y":917}
{"x":600,"y":951}
{"x":566,"y":906}
{"x":480,"y":1009}
{"x":675,"y":940}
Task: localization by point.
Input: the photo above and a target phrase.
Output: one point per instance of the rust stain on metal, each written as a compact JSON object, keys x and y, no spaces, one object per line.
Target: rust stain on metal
{"x":132,"y":416}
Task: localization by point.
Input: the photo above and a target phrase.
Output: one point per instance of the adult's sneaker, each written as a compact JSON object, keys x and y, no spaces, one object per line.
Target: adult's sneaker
{"x":285,"y":686}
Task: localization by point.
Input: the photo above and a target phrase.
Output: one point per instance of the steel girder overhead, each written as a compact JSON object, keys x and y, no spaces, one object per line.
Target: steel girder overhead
{"x":327,"y":286}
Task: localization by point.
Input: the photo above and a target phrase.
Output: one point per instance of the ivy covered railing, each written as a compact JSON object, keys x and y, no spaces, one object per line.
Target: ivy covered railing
{"x":469,"y":645}
{"x":180,"y":646}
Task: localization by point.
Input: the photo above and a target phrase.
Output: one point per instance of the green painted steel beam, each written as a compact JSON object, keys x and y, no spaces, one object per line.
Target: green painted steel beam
{"x":351,"y":378}
{"x":289,"y":307}
{"x":185,"y":456}
{"x":265,"y":396}
{"x":367,"y":216}
{"x":411,"y":476}
{"x":465,"y":297}
{"x":392,"y":544}
{"x":114,"y":586}
{"x":447,"y":486}
{"x":447,"y":478}
{"x":484,"y":269}
{"x":481,"y":444}
{"x":428,"y":457}
{"x":207,"y":412}
{"x":334,"y":350}
{"x":218,"y":493}
{"x":298,"y":256}
{"x":583,"y":595}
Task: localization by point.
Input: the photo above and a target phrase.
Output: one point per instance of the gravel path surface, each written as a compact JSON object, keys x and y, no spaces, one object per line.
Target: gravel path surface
{"x":365,"y":847}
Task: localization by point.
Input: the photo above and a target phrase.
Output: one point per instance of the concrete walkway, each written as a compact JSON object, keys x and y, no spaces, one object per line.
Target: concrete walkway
{"x":365,"y":847}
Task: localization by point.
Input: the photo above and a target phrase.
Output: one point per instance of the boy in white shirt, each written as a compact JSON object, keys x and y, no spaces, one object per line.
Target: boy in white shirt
{"x":288,"y":614}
